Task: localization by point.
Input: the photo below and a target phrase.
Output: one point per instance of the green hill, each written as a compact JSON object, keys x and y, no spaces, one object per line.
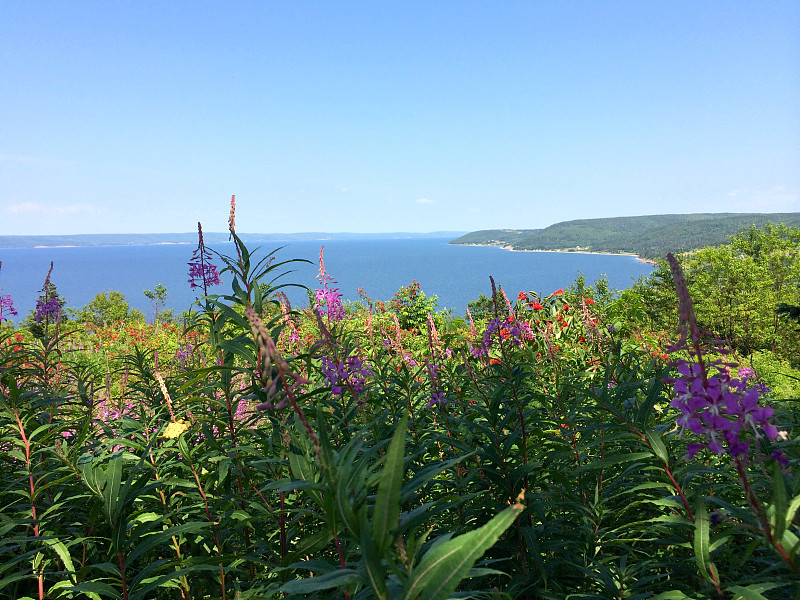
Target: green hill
{"x":648,"y":237}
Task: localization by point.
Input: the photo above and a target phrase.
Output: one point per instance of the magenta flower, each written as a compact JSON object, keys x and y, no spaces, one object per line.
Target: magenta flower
{"x":328,"y":300}
{"x":719,"y":409}
{"x":6,"y":303}
{"x":350,"y":372}
{"x":6,"y":307}
{"x":49,"y":305}
{"x":202,"y":272}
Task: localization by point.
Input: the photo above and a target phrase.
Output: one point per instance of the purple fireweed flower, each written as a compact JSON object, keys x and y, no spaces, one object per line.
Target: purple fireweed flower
{"x":184,"y":351}
{"x":472,"y":329}
{"x":328,"y":300}
{"x":6,"y":307}
{"x":202,"y":272}
{"x":746,"y":373}
{"x":409,"y":360}
{"x":350,"y":372}
{"x":47,"y":311}
{"x":509,"y":328}
{"x":203,"y":275}
{"x":749,"y":376}
{"x":436,"y":398}
{"x":48,"y":306}
{"x":6,"y":303}
{"x":721,"y":410}
{"x":290,"y":332}
{"x":437,"y":395}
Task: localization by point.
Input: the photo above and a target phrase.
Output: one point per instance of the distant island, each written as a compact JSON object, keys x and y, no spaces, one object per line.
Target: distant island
{"x":134,"y":239}
{"x":647,"y":237}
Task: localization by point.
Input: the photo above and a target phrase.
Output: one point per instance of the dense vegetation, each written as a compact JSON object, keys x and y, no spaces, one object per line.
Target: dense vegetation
{"x":649,"y":237}
{"x":585,"y":444}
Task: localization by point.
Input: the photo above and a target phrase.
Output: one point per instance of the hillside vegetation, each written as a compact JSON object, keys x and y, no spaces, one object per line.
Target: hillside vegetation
{"x":648,"y":237}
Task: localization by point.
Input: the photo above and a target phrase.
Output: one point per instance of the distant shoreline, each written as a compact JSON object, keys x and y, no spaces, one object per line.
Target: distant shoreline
{"x":11,"y":242}
{"x":45,"y":246}
{"x":512,"y":249}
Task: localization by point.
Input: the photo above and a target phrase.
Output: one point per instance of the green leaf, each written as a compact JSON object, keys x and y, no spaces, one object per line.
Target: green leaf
{"x":66,"y":584}
{"x":617,"y":459}
{"x":61,"y":550}
{"x":752,"y":592}
{"x":371,"y":560}
{"x":779,"y":501}
{"x":443,"y":567}
{"x":702,"y":552}
{"x":93,"y":474}
{"x":148,"y":542}
{"x":113,"y":485}
{"x":387,"y":500}
{"x":96,"y":587}
{"x":657,"y":444}
{"x":327,"y":581}
{"x":308,"y":545}
{"x":793,"y":506}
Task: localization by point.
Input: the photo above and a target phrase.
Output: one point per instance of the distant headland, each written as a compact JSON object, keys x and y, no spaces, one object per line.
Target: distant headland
{"x":648,"y":237}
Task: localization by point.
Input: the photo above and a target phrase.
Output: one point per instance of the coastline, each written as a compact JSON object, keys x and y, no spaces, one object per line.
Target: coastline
{"x":513,"y":249}
{"x":98,"y":245}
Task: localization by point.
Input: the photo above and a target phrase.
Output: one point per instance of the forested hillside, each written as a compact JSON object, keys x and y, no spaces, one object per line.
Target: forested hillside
{"x":648,"y":236}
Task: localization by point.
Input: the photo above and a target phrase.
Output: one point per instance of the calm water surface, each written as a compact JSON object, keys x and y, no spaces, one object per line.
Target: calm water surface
{"x":456,"y":274}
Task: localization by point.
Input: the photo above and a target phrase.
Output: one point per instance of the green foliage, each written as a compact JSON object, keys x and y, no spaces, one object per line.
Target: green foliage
{"x":412,"y":306}
{"x":485,"y":308}
{"x":158,"y":296}
{"x":776,"y":373}
{"x":106,"y":308}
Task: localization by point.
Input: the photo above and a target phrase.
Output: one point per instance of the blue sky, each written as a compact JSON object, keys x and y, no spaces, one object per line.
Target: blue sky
{"x":392,"y":116}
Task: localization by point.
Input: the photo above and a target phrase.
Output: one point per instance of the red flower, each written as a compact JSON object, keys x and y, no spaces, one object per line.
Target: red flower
{"x":558,"y":292}
{"x":536,"y":305}
{"x":588,"y":301}
{"x":522,"y":296}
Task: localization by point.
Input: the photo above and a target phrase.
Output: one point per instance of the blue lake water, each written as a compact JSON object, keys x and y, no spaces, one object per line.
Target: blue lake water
{"x":456,"y":274}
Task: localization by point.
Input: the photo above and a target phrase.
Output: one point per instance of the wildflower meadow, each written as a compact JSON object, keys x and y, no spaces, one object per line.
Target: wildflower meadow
{"x":584,"y":443}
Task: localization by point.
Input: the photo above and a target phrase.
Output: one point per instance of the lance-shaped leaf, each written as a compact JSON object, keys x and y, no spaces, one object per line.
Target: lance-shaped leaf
{"x":702,"y":551}
{"x":373,"y":568}
{"x":387,"y":500}
{"x":331,"y":579}
{"x":444,"y":566}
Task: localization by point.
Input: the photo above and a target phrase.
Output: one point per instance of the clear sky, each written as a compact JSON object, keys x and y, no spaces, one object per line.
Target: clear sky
{"x":146,"y":116}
